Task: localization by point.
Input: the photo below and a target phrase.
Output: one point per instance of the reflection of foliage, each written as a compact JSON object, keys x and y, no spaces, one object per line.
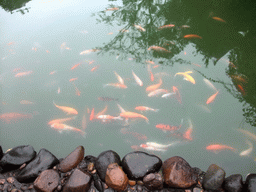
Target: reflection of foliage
{"x":142,"y":19}
{"x":10,"y":6}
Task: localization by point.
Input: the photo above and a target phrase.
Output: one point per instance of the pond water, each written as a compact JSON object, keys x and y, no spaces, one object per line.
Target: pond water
{"x":58,"y":41}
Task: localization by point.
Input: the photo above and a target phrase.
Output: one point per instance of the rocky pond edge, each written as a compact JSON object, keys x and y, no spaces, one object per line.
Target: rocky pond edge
{"x":23,"y":169}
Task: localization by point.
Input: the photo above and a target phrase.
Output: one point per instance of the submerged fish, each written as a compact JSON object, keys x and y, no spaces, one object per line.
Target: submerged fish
{"x":218,"y":147}
{"x":144,"y":108}
{"x":211,"y":98}
{"x":107,"y":99}
{"x":150,"y":148}
{"x":160,"y":146}
{"x":67,"y":110}
{"x":248,"y":151}
{"x":63,"y":127}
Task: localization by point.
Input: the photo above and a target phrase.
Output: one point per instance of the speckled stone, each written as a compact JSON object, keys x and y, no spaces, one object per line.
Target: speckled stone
{"x":72,"y":160}
{"x":79,"y":181}
{"x":116,"y":178}
{"x":47,"y":181}
{"x":178,"y":173}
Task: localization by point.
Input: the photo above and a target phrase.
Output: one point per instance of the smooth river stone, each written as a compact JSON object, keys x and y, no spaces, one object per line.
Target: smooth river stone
{"x":103,"y":160}
{"x":178,"y":173}
{"x":72,"y":160}
{"x":214,"y":177}
{"x":137,"y":164}
{"x":47,"y":181}
{"x":43,"y":161}
{"x":116,"y":178}
{"x":17,"y":156}
{"x":79,"y":181}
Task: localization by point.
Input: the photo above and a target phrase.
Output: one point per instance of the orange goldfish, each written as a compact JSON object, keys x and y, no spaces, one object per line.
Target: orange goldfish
{"x":75,"y":66}
{"x":151,"y":76}
{"x":61,"y":120}
{"x":187,"y":134}
{"x":154,"y":86}
{"x":218,"y":147}
{"x":94,"y":68}
{"x":219,"y":19}
{"x":67,"y":110}
{"x":191,"y":36}
{"x":144,"y":108}
{"x":14,"y":117}
{"x":102,"y":112}
{"x":211,"y":98}
{"x":92,"y":114}
{"x":139,"y":28}
{"x":23,"y":73}
{"x":108,"y":118}
{"x":176,"y":91}
{"x":132,"y":115}
{"x":112,"y":9}
{"x":73,"y":79}
{"x":166,"y":26}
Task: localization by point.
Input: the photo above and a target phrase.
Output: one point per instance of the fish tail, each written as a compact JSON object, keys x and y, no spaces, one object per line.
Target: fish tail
{"x":156,"y":110}
{"x":147,"y":121}
{"x":54,"y":103}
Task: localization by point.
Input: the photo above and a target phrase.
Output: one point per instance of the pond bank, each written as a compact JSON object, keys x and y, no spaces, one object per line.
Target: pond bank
{"x":23,"y":169}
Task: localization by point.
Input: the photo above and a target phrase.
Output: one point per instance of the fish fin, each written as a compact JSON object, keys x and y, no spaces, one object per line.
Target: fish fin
{"x":54,"y":103}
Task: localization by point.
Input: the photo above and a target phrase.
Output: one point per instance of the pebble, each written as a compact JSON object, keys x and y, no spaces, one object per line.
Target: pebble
{"x":47,"y":181}
{"x":214,"y":177}
{"x":137,"y":164}
{"x":116,"y":178}
{"x":178,"y":173}
{"x":250,"y":182}
{"x":43,"y":161}
{"x":16,"y":157}
{"x":72,"y":160}
{"x":132,"y":182}
{"x":78,"y":181}
{"x":233,"y":183}
{"x":153,"y":181}
{"x":103,"y":160}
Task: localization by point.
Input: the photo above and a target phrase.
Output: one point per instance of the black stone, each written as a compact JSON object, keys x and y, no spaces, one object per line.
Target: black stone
{"x":250,"y":182}
{"x":97,"y":182}
{"x":14,"y":158}
{"x":44,"y":160}
{"x":233,"y":183}
{"x":103,"y":160}
{"x":137,"y":164}
{"x":214,"y":178}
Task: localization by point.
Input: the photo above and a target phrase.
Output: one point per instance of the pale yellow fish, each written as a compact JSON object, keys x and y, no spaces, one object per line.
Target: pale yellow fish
{"x":210,"y":84}
{"x":137,"y":79}
{"x":248,"y":151}
{"x":119,"y":78}
{"x":187,"y":76}
{"x":248,"y":133}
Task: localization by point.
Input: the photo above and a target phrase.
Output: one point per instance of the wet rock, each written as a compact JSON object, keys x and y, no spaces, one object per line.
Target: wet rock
{"x":137,"y":164}
{"x":153,"y":181}
{"x":178,"y":173}
{"x":14,"y":158}
{"x":103,"y":160}
{"x":214,"y":178}
{"x":233,"y":183}
{"x":72,"y":160}
{"x":83,"y":165}
{"x":250,"y":182}
{"x":196,"y":189}
{"x":47,"y":181}
{"x":97,"y":182}
{"x":79,"y":181}
{"x":132,"y":182}
{"x":116,"y":178}
{"x":44,"y":160}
